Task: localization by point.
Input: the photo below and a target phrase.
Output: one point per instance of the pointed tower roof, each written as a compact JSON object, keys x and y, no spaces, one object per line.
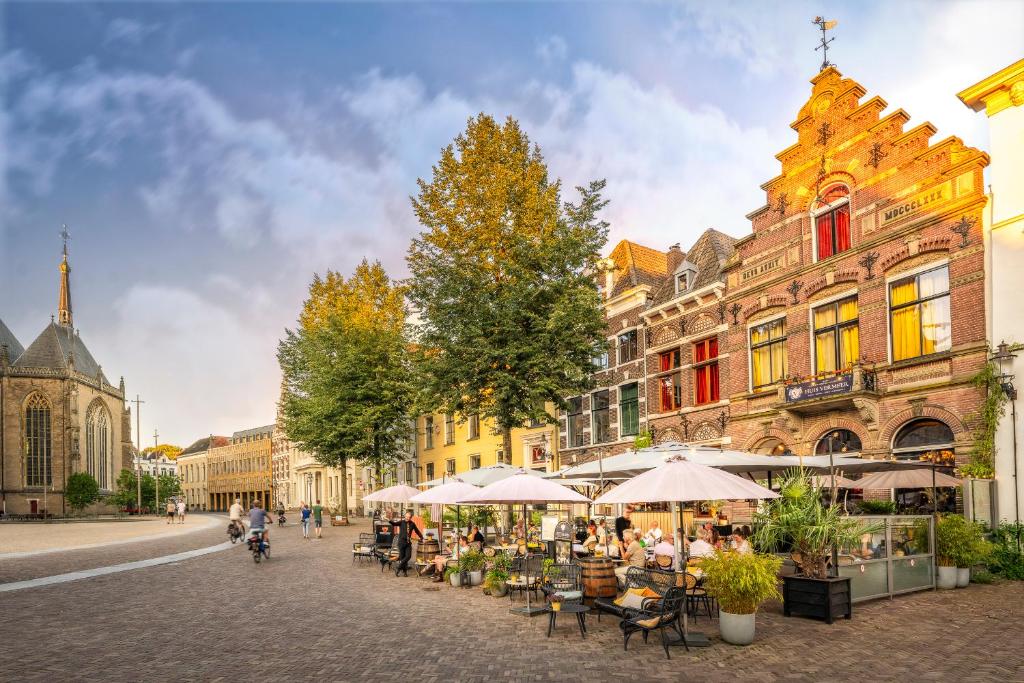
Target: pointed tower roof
{"x":64,"y":299}
{"x":7,"y":338}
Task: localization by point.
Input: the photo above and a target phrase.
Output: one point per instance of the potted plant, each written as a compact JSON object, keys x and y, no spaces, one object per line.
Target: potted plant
{"x":958,"y":545}
{"x":556,"y":602}
{"x":472,"y":562}
{"x":800,"y":519}
{"x":740,"y":582}
{"x":452,"y":575}
{"x":496,"y":579}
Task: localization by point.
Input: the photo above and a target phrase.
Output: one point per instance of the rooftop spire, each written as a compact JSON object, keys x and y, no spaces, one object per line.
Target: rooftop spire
{"x":64,"y":300}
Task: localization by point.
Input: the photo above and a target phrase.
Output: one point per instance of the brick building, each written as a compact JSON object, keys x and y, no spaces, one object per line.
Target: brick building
{"x":856,"y":308}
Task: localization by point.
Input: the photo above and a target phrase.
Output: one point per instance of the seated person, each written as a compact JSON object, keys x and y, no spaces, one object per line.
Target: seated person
{"x":666,"y":546}
{"x":715,"y":539}
{"x":632,"y":553}
{"x":653,"y":534}
{"x":701,"y":547}
{"x":602,"y":531}
{"x":740,"y":543}
{"x":591,"y":538}
{"x":475,"y":536}
{"x":441,"y":561}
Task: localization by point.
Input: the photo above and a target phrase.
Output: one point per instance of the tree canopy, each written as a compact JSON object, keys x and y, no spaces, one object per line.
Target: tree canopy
{"x":169,"y":450}
{"x":510,"y":316}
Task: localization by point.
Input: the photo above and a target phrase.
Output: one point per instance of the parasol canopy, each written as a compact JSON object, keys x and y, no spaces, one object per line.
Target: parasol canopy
{"x":482,"y":476}
{"x":919,"y":477}
{"x":824,"y":481}
{"x":680,"y":480}
{"x":445,"y":494}
{"x":393,"y":494}
{"x":524,"y":488}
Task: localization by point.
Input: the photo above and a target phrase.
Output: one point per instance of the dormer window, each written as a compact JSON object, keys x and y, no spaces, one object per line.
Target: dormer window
{"x":685,"y":277}
{"x":682,"y":282}
{"x":832,"y":222}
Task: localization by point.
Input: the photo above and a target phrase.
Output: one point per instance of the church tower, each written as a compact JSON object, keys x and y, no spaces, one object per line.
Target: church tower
{"x":64,"y":300}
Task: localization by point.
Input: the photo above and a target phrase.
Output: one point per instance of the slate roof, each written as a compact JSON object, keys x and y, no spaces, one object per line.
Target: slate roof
{"x":636,"y":265}
{"x":708,"y":254}
{"x":202,"y":445}
{"x":255,"y":431}
{"x":7,"y":338}
{"x":52,"y":349}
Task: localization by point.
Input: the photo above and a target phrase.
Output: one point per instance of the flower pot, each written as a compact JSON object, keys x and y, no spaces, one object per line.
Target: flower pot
{"x":456,"y":579}
{"x":556,"y":607}
{"x":737,"y":629}
{"x":963,"y":577}
{"x":826,"y":599}
{"x":476,"y":577}
{"x":947,"y":578}
{"x":500,"y":591}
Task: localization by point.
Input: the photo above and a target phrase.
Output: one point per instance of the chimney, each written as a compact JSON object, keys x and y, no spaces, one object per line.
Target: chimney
{"x":675,"y":257}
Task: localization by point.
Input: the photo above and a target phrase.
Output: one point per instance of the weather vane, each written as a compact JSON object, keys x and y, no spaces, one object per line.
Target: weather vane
{"x":824,"y":26}
{"x":66,"y":235}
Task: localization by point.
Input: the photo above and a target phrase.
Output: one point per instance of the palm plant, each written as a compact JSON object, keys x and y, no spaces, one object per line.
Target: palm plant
{"x":813,"y":528}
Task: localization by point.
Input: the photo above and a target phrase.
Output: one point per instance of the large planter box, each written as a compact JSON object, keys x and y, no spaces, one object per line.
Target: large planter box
{"x":338,"y":520}
{"x":826,"y":599}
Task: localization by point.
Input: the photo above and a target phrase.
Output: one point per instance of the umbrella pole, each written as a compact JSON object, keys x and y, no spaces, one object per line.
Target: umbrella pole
{"x":935,"y":501}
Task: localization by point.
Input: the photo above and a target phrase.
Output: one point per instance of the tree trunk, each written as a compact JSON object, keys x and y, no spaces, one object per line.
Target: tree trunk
{"x":344,"y":488}
{"x":506,"y":443}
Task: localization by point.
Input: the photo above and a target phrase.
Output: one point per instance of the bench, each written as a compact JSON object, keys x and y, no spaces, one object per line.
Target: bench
{"x":657,"y":580}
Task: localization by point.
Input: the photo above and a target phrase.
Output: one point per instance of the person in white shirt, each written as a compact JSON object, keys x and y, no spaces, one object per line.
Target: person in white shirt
{"x":235,"y":514}
{"x":665,"y":546}
{"x":181,"y":511}
{"x":740,"y":543}
{"x":653,"y":534}
{"x":701,"y":548}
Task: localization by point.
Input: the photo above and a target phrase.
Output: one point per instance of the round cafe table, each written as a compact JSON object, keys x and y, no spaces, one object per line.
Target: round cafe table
{"x":579,"y":610}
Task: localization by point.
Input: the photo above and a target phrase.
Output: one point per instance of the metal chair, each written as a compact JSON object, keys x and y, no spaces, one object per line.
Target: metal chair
{"x":656,"y":615}
{"x":696,"y":597}
{"x":364,"y":547}
{"x":565,"y":580}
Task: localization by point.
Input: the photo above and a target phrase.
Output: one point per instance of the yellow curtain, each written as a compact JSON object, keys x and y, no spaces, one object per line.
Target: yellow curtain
{"x":824,"y":316}
{"x":824,"y":351}
{"x":778,"y":361}
{"x":906,"y":322}
{"x":847,"y":310}
{"x":760,"y":362}
{"x":849,"y":345}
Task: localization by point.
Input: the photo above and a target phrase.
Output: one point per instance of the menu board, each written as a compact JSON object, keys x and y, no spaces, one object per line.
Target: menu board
{"x":547,"y":527}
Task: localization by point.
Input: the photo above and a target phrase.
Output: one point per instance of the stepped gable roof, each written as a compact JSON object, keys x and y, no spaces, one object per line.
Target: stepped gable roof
{"x":708,"y":255}
{"x":7,"y":338}
{"x":637,"y":265}
{"x":55,"y":346}
{"x":202,"y":445}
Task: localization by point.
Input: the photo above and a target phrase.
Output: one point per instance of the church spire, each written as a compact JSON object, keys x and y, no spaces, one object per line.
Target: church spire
{"x":64,"y":301}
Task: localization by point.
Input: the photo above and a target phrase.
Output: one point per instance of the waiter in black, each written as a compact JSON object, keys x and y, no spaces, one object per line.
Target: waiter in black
{"x":405,"y":529}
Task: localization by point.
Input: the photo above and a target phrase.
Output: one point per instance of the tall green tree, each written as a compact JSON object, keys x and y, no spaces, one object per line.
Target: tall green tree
{"x":502,"y":280}
{"x":346,"y":390}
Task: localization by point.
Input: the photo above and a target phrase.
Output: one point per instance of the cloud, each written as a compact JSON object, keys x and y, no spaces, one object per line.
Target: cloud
{"x":552,"y":49}
{"x":128,"y":31}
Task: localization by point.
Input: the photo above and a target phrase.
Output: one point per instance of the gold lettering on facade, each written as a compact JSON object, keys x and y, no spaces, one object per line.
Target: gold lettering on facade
{"x":926,"y":200}
{"x":761,"y":269}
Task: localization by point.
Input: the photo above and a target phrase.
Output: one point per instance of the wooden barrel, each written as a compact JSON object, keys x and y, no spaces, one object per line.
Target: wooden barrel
{"x":598,"y":574}
{"x":427,"y":550}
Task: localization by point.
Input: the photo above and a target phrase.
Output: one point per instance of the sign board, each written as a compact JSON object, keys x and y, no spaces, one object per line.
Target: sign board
{"x":922,"y":202}
{"x":840,"y":384}
{"x":547,"y":527}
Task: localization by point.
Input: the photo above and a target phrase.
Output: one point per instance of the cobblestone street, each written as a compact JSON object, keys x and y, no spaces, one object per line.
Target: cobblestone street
{"x":313,"y":614}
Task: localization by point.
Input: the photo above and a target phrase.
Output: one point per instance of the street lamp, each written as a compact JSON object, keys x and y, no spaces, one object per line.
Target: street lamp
{"x":1003,"y":357}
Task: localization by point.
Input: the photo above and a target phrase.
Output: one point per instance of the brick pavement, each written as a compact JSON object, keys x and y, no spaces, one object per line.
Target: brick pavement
{"x":318,"y":616}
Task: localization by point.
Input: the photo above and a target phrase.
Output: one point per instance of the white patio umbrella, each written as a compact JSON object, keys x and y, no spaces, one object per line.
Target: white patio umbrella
{"x":679,"y":480}
{"x":824,"y":481}
{"x":445,"y":494}
{"x":392,"y":494}
{"x":523,"y":488}
{"x":921,"y":476}
{"x":483,"y":476}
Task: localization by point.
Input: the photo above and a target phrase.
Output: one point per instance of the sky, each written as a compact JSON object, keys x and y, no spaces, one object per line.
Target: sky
{"x":209,"y":158}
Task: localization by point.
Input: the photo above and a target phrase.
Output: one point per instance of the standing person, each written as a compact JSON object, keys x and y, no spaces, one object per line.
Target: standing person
{"x":406,"y":529}
{"x":318,"y":517}
{"x":181,"y":511}
{"x":622,"y":523}
{"x":304,"y":512}
{"x":235,"y":514}
{"x":171,"y":510}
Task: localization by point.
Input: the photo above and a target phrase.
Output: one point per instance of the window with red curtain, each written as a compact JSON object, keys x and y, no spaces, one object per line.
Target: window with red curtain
{"x":833,"y":226}
{"x":705,"y":371}
{"x":669,"y":360}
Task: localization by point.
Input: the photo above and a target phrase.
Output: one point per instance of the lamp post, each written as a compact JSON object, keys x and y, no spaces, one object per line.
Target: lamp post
{"x":156,"y":467}
{"x":1003,"y":357}
{"x":138,"y":452}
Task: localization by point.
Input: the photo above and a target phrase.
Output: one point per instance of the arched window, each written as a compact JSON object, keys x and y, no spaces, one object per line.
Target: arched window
{"x":922,"y":436}
{"x":843,"y":441}
{"x":772,"y":446}
{"x":97,"y":445}
{"x":38,"y":442}
{"x":832,"y":222}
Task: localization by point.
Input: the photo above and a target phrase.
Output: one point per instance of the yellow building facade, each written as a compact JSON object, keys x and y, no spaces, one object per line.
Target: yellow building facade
{"x":241,"y":469}
{"x":448,"y":445}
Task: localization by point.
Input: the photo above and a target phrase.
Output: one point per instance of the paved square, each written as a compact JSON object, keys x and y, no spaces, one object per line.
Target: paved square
{"x":313,"y":614}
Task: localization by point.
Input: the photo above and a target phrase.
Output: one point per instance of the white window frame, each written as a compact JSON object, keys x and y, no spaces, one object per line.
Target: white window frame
{"x":825,"y":208}
{"x":889,"y":279}
{"x":639,"y":351}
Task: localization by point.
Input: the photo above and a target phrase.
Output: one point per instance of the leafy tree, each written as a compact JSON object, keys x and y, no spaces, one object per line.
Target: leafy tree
{"x":126,"y":494}
{"x":170,"y":486}
{"x":169,"y":450}
{"x":502,"y":280}
{"x":82,"y":490}
{"x":346,"y":390}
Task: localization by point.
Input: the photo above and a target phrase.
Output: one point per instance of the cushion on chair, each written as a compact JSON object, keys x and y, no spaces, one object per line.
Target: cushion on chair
{"x":570,"y":595}
{"x":630,"y":600}
{"x":653,"y":621}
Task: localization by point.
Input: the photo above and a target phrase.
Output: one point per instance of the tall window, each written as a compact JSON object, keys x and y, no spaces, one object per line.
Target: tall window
{"x":501,"y":457}
{"x":474,"y":461}
{"x":449,"y":467}
{"x":38,"y":444}
{"x":832,"y":223}
{"x":627,"y":346}
{"x":629,"y":410}
{"x":428,"y":431}
{"x":705,"y":371}
{"x":919,"y":310}
{"x":600,"y":360}
{"x":97,"y":446}
{"x":836,"y":335}
{"x":430,"y":471}
{"x":449,"y":429}
{"x":600,"y":432}
{"x":473,"y":428}
{"x":575,"y":422}
{"x":670,"y":387}
{"x":768,"y":352}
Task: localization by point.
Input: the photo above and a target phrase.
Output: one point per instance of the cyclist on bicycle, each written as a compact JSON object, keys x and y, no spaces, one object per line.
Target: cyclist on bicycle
{"x":260,"y":521}
{"x":235,"y":515}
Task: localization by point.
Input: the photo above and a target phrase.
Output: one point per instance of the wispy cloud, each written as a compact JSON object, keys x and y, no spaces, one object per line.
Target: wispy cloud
{"x":128,"y":31}
{"x":552,"y":49}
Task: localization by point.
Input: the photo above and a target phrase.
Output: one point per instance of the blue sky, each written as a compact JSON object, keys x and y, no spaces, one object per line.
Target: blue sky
{"x":209,"y":158}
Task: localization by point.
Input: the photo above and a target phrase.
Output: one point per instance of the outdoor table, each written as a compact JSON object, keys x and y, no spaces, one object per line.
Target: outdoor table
{"x":579,"y":610}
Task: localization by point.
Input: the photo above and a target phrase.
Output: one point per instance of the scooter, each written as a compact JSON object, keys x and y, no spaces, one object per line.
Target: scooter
{"x":234,"y":532}
{"x":258,"y":547}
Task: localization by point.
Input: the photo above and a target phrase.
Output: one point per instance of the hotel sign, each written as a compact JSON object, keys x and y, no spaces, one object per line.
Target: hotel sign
{"x":840,"y":384}
{"x":761,"y":269}
{"x":918,"y":203}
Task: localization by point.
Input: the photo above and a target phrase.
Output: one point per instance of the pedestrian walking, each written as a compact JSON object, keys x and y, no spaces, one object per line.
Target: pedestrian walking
{"x":318,"y":517}
{"x":406,"y":529}
{"x":171,"y":510}
{"x":305,"y":513}
{"x":181,"y":511}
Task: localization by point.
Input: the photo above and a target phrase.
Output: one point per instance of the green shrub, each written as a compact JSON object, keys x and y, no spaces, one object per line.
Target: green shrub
{"x":958,"y":542}
{"x":1004,"y":559}
{"x":877,"y":507}
{"x":82,"y":490}
{"x":741,"y":581}
{"x":982,"y":576}
{"x":471,"y":561}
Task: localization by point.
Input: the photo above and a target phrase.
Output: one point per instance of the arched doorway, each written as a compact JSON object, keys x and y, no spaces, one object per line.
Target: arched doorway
{"x":932,"y":441}
{"x":771,"y":446}
{"x":840,"y":440}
